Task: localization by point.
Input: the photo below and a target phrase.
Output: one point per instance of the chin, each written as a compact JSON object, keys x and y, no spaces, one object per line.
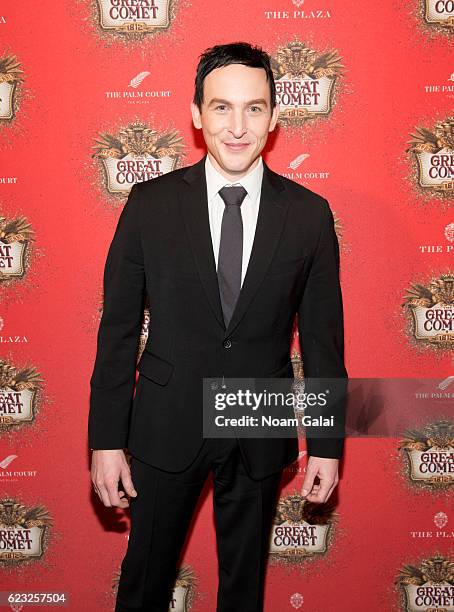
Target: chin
{"x":236,"y":162}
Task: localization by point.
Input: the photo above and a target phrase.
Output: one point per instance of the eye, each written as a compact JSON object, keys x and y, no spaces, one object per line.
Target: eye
{"x":220,"y":106}
{"x":257,"y":107}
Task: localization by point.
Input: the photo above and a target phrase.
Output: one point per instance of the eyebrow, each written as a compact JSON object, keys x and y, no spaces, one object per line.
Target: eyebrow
{"x":222,"y":101}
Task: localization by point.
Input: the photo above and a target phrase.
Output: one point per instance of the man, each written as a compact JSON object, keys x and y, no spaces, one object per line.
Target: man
{"x":228,"y":252}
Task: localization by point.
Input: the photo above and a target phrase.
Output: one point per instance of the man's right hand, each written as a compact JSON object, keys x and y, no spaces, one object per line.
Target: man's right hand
{"x":108,"y":467}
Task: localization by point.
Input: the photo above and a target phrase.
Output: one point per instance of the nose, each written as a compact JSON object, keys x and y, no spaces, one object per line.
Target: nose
{"x":237,"y":123}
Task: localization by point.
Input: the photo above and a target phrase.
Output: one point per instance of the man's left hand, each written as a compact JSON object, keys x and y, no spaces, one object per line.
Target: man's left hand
{"x":326,"y":470}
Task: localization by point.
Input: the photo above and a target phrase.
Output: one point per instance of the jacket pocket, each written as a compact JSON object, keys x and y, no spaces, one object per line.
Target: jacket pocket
{"x":155,"y":368}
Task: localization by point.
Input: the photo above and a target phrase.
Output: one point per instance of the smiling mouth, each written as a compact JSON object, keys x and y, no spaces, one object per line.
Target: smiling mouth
{"x":235,"y":146}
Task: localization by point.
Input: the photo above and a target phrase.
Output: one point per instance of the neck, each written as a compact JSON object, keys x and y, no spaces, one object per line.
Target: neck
{"x":235,"y":176}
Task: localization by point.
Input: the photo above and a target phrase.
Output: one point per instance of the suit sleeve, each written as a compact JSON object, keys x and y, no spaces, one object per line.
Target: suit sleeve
{"x":321,"y":335}
{"x":113,"y":378}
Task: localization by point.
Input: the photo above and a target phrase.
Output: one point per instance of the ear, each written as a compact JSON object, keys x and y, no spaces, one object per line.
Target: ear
{"x":274,"y":117}
{"x":196,"y":119}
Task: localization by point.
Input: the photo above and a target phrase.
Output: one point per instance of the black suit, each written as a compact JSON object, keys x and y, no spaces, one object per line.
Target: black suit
{"x":162,"y":246}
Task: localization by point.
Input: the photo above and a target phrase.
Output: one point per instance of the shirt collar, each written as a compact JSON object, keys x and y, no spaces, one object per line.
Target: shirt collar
{"x":252,"y":182}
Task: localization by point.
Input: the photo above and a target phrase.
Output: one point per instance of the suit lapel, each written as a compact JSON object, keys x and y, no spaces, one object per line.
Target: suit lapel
{"x":193,"y":202}
{"x":270,"y":222}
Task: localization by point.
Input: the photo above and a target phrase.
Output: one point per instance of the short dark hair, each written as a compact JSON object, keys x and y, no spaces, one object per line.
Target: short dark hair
{"x":232,"y":53}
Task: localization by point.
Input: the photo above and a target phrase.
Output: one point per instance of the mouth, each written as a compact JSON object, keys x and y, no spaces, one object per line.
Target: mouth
{"x":236,"y":146}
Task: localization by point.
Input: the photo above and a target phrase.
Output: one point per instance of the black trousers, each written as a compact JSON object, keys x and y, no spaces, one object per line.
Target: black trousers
{"x":160,"y":516}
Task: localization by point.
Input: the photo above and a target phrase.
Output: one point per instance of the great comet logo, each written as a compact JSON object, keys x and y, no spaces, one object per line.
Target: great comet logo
{"x":432,"y":309}
{"x":428,"y":587}
{"x":16,"y":236}
{"x":433,"y":155}
{"x":438,"y":13}
{"x":301,"y":529}
{"x":19,"y":394}
{"x":135,"y":19}
{"x":24,"y":532}
{"x":305,"y":82}
{"x":137,"y":154}
{"x":10,"y":78}
{"x":430,"y":454}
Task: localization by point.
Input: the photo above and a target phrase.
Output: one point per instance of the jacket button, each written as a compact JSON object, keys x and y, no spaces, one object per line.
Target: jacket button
{"x":227,"y":343}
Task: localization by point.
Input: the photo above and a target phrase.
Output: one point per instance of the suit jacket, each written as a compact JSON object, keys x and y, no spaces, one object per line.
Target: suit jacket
{"x":162,"y":247}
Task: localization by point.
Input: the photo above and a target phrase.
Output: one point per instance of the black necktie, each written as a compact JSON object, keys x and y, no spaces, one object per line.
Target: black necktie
{"x":230,"y":249}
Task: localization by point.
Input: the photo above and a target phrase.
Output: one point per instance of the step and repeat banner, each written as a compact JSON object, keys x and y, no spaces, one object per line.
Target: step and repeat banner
{"x":94,"y":97}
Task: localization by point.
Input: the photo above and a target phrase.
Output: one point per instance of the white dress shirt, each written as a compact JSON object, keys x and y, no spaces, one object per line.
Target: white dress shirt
{"x":252,"y":182}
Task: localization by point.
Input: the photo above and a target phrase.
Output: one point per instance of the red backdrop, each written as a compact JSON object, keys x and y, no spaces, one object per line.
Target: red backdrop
{"x":73,"y":90}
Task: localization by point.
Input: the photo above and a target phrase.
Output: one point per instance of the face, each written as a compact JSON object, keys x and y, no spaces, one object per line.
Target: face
{"x":235,"y":118}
